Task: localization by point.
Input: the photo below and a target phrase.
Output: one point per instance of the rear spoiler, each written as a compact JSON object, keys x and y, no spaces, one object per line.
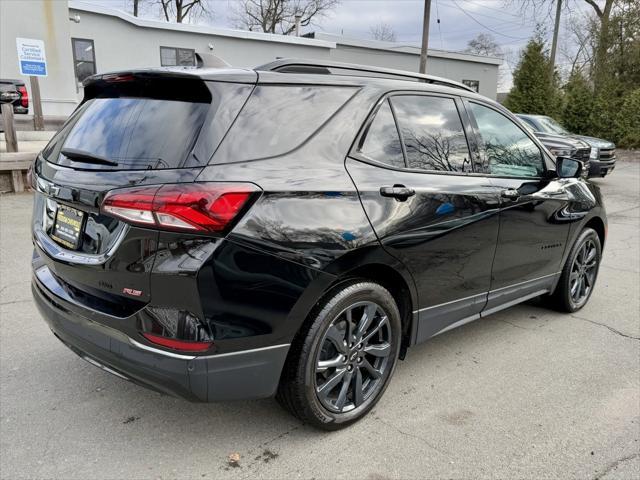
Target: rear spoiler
{"x":160,"y":84}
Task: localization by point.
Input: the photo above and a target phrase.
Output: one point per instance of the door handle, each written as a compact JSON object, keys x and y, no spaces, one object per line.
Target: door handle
{"x":510,"y":193}
{"x":399,"y":192}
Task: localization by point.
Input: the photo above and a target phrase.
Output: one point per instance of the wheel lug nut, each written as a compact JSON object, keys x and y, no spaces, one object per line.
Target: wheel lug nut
{"x":359,"y":359}
{"x":344,"y":358}
{"x":350,"y":367}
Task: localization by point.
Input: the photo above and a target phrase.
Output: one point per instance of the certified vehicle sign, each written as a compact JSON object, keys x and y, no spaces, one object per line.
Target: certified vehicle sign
{"x":31,"y":57}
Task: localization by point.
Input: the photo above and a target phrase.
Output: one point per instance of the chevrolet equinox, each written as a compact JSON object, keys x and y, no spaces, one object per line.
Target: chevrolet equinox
{"x":292,"y":230}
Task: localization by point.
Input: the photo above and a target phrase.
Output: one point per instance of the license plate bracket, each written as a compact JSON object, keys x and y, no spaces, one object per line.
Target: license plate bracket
{"x":68,"y":226}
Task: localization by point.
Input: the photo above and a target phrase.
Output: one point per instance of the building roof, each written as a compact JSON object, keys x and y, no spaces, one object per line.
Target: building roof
{"x":80,"y":6}
{"x":314,"y":39}
{"x":397,"y":47}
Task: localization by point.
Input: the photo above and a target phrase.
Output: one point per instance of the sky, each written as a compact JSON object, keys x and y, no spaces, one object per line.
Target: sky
{"x":459,"y":22}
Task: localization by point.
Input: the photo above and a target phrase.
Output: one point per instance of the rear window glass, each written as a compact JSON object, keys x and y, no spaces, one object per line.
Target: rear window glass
{"x":134,"y":133}
{"x":382,"y":142}
{"x":278,"y":119}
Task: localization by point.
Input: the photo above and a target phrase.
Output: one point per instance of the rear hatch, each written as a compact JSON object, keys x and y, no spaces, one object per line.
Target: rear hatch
{"x":134,"y":130}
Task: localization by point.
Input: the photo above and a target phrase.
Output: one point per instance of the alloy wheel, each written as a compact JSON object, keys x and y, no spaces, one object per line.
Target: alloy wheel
{"x":583,"y":272}
{"x":354,"y":355}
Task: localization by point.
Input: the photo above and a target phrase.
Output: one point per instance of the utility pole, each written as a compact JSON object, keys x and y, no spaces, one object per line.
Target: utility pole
{"x":554,"y":43}
{"x":298,"y":18}
{"x":425,"y":36}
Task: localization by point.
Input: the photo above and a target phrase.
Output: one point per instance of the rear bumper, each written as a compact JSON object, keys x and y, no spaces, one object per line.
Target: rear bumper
{"x":237,"y":375}
{"x":600,"y":168}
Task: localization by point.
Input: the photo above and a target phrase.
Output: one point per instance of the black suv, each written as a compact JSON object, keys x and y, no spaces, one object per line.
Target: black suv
{"x":294,"y":229}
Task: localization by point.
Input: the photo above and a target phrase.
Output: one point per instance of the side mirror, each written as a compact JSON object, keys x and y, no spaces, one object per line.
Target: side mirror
{"x":568,"y":167}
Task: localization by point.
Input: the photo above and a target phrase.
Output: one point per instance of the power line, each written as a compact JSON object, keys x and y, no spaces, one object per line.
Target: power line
{"x":450,"y":33}
{"x":481,"y":5}
{"x":483,"y":25}
{"x":519,"y":21}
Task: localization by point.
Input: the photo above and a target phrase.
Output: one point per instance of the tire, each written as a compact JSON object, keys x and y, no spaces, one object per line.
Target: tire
{"x":321,"y":362}
{"x":576,"y":269}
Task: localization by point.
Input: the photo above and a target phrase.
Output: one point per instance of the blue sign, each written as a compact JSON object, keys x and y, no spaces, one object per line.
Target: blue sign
{"x":33,"y":68}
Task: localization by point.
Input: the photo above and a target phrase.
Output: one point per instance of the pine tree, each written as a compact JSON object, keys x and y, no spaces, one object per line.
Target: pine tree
{"x":532,"y":92}
{"x":577,"y":104}
{"x":628,"y":120}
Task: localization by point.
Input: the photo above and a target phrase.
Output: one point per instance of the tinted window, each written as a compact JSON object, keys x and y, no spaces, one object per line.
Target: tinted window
{"x":277,"y":119}
{"x":507,"y":149}
{"x":382,"y":142}
{"x":432,"y":133}
{"x":137,"y":133}
{"x":528,"y":122}
{"x":551,"y":126}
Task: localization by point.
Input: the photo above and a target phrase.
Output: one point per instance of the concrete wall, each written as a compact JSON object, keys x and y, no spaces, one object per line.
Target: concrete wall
{"x":120,"y":45}
{"x":47,"y":21}
{"x":486,"y":74}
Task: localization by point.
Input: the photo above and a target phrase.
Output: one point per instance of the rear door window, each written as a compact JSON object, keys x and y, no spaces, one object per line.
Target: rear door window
{"x":382,"y":142}
{"x":432,"y":133}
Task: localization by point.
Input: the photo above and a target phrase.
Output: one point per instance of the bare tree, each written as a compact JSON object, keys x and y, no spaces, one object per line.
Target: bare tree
{"x":181,"y":10}
{"x":603,"y":10}
{"x":279,"y":16}
{"x":383,"y":32}
{"x":135,"y":7}
{"x":578,"y":52}
{"x":483,"y":44}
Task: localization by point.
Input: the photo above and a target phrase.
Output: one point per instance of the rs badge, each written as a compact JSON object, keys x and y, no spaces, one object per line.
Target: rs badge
{"x":132,"y":292}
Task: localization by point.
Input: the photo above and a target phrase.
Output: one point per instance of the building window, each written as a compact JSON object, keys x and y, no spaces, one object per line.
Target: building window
{"x":84,"y":58}
{"x":474,"y":84}
{"x":172,"y":57}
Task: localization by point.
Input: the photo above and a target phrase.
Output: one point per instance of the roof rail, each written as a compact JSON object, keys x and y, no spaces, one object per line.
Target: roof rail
{"x":292,"y":65}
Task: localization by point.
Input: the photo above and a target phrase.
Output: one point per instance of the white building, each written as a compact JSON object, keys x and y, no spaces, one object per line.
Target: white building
{"x":82,"y":39}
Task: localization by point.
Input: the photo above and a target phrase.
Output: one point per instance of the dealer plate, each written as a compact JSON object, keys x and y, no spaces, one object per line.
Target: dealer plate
{"x":67,"y":229}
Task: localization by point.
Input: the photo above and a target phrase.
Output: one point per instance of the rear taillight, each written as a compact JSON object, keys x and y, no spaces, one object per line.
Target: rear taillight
{"x":24,"y":96}
{"x":182,"y":345}
{"x":195,"y":207}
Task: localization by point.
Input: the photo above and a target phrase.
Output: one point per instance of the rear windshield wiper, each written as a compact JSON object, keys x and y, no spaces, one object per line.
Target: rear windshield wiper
{"x":87,"y":157}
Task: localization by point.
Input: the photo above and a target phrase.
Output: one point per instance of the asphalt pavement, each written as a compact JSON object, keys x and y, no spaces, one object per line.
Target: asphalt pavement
{"x":526,"y":393}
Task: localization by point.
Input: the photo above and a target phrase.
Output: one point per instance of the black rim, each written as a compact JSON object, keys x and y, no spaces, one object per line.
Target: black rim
{"x":354,"y":356}
{"x":583,"y":272}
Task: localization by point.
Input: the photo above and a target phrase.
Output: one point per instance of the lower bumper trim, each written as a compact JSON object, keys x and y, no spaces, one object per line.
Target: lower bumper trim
{"x":245,"y":374}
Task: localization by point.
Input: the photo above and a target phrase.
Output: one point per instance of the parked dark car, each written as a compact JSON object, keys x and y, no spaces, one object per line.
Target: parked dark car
{"x":602,"y":160}
{"x":21,"y":101}
{"x":293,"y":230}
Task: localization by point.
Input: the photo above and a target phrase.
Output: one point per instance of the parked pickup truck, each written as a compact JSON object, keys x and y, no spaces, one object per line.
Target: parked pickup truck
{"x":21,"y":101}
{"x":561,"y":146}
{"x":602,"y":160}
